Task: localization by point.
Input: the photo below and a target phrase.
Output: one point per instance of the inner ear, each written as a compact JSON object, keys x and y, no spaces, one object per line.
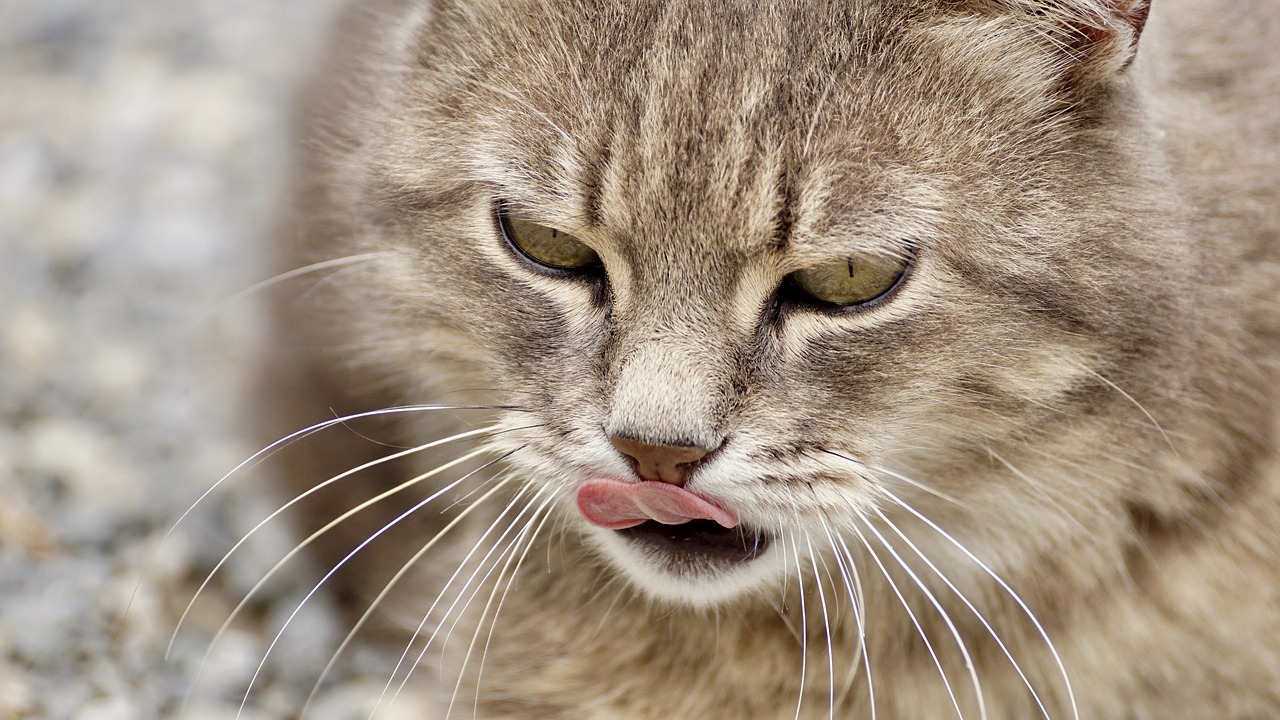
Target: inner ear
{"x":1097,"y":39}
{"x":1133,"y":12}
{"x":1107,"y":31}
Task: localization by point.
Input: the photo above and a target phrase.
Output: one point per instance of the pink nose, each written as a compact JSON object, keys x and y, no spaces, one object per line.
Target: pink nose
{"x":667,"y":463}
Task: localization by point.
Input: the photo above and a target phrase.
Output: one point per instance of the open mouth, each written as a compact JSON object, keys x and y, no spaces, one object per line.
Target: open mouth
{"x":680,"y":525}
{"x":683,"y":527}
{"x":699,"y":540}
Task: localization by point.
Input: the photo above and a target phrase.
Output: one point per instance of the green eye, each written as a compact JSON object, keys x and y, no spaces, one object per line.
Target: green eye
{"x":853,"y":281}
{"x":546,"y":246}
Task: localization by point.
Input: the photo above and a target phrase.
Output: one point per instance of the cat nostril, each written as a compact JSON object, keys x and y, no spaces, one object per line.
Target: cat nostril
{"x":667,"y":463}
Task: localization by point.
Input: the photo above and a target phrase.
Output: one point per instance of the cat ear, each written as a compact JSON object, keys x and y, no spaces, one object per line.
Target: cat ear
{"x":1102,"y":35}
{"x":1095,"y":39}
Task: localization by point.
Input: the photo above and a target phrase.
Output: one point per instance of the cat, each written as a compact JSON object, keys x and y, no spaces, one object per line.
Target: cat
{"x":815,"y":359}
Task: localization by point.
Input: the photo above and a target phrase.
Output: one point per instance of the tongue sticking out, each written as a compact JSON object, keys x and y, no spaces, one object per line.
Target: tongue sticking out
{"x":615,"y":505}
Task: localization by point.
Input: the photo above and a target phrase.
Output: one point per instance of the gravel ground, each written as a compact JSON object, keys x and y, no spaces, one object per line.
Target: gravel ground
{"x":142,"y":143}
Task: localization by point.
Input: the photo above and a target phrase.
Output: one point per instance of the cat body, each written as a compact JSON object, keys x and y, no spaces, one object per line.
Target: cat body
{"x":1036,"y":476}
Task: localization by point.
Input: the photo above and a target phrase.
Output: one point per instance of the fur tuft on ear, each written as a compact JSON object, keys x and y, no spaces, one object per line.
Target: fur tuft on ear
{"x":1099,"y":38}
{"x":1108,"y":31}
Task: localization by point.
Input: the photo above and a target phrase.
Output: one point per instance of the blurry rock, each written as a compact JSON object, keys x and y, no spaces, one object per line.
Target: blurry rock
{"x":89,"y":469}
{"x":358,"y":699}
{"x":17,"y":695}
{"x":112,"y":708}
{"x":32,"y":341}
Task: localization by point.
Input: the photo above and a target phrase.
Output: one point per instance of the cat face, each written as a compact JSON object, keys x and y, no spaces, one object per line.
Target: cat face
{"x":709,"y":170}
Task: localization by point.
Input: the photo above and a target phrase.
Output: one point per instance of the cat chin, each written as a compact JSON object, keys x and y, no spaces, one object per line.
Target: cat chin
{"x":691,"y":581}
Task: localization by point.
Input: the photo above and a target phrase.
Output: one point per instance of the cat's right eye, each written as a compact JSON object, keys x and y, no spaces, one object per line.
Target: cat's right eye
{"x":544,"y":245}
{"x":850,"y":282}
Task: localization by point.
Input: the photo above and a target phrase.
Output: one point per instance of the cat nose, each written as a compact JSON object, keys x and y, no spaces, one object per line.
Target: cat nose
{"x":667,"y":463}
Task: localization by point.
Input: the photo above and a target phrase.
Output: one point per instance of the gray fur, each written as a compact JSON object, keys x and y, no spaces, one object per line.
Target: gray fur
{"x":1077,"y":381}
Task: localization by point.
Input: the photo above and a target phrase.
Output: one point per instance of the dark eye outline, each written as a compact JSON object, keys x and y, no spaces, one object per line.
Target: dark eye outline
{"x":792,"y":293}
{"x":592,"y":271}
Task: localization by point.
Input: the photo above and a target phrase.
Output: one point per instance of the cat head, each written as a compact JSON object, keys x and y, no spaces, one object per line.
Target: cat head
{"x":792,"y":264}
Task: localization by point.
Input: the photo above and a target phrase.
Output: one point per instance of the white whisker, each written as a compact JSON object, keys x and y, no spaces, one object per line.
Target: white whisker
{"x":826,"y":628}
{"x":898,"y":476}
{"x":297,"y":548}
{"x":1131,"y":399}
{"x":1037,"y":487}
{"x":1062,"y":668}
{"x":503,"y":559}
{"x":514,"y":502}
{"x":786,"y":620}
{"x":390,"y":584}
{"x":970,"y":605}
{"x":955,"y":703}
{"x":918,"y":485}
{"x":456,"y":612}
{"x":510,"y":580}
{"x":386,"y":588}
{"x":316,"y":588}
{"x":515,"y":551}
{"x":942,"y":612}
{"x":299,"y":272}
{"x":804,"y":627}
{"x":858,"y":602}
{"x":266,"y":452}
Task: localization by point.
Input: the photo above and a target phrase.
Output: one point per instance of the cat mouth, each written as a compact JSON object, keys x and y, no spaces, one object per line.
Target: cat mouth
{"x":680,"y":527}
{"x":617,"y":505}
{"x":699,"y":540}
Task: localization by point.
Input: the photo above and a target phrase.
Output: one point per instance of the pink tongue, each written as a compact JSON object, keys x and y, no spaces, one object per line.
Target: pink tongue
{"x":616,"y":505}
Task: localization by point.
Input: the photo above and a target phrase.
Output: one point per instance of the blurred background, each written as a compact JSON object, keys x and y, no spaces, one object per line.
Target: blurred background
{"x":143,"y":144}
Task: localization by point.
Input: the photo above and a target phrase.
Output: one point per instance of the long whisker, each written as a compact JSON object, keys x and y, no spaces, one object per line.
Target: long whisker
{"x":390,"y":584}
{"x":299,"y":272}
{"x":364,"y":543}
{"x":1131,"y":399}
{"x":504,"y":558}
{"x":914,"y":483}
{"x":519,"y":546}
{"x":1062,"y":668}
{"x":955,"y":703}
{"x":970,"y":605}
{"x":494,"y":549}
{"x":271,"y":449}
{"x":859,"y":608}
{"x":804,"y":627}
{"x":373,"y":463}
{"x":946,"y":618}
{"x":475,"y":548}
{"x":453,"y":610}
{"x":918,"y":485}
{"x":1037,"y":487}
{"x":826,"y":627}
{"x":786,"y":620}
{"x":510,"y":581}
{"x":235,"y":612}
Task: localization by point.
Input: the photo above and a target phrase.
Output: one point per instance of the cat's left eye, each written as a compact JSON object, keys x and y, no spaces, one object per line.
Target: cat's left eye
{"x":544,"y":245}
{"x":852,"y":281}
